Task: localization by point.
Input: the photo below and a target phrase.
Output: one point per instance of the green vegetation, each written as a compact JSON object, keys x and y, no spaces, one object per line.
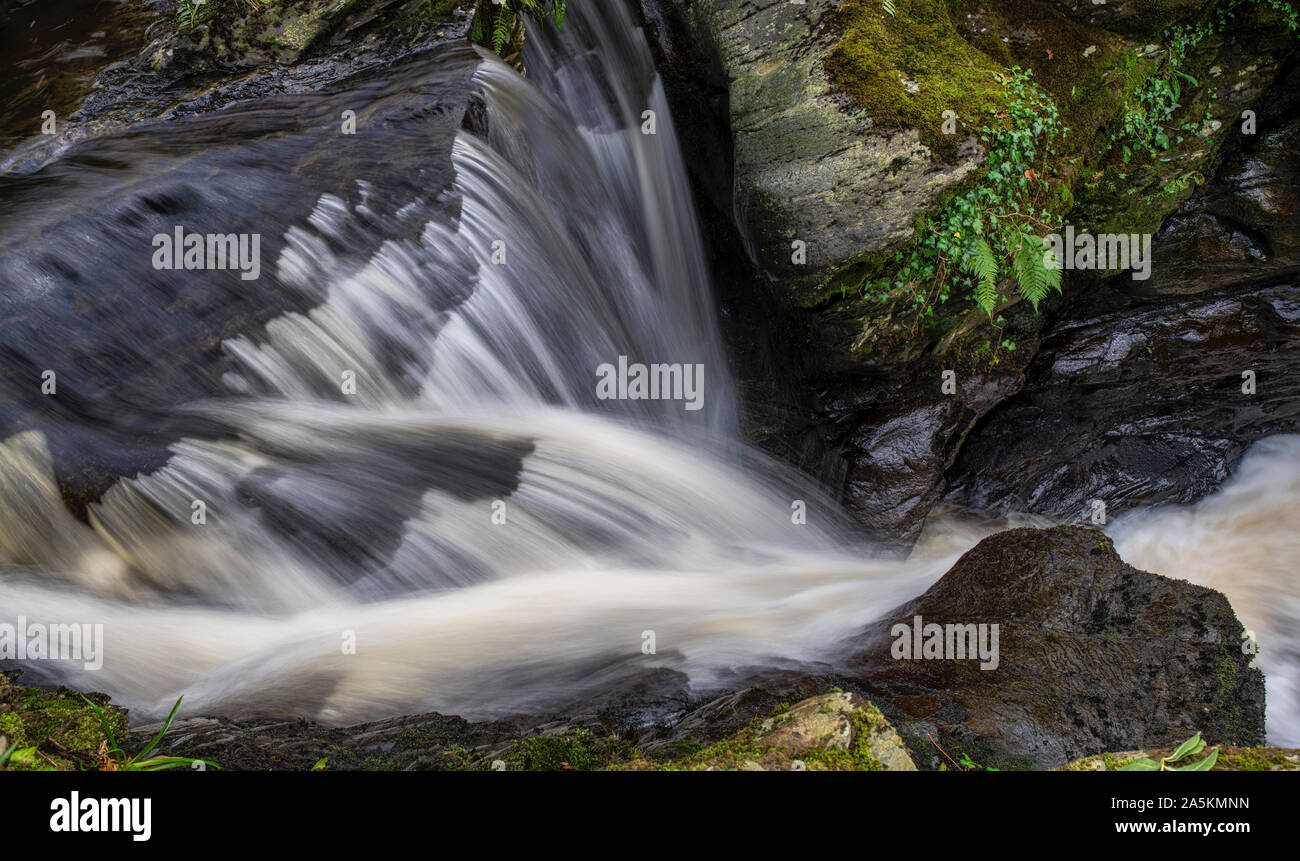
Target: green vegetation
{"x":998,"y":224}
{"x":971,"y":765}
{"x":65,"y":731}
{"x":500,"y":26}
{"x":116,"y":759}
{"x":575,"y":750}
{"x":50,"y":730}
{"x":910,"y":66}
{"x":190,"y":13}
{"x":1150,"y":110}
{"x":760,"y":746}
{"x":1189,"y":748}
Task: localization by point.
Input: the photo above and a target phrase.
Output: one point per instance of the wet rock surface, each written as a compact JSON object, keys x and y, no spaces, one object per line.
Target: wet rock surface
{"x":1139,"y":406}
{"x":849,"y":389}
{"x":251,"y":145}
{"x":1139,"y":393}
{"x":1093,"y":654}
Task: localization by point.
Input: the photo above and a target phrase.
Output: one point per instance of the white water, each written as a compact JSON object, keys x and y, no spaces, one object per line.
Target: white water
{"x":371,"y":515}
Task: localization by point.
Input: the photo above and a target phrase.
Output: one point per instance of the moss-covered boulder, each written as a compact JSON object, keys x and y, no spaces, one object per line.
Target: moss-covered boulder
{"x":838,"y":731}
{"x":1135,"y":397}
{"x":53,"y":730}
{"x":839,"y":139}
{"x":810,"y":166}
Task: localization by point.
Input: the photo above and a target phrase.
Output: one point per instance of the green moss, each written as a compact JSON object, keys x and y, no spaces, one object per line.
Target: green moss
{"x":576,"y":750}
{"x":905,"y":70}
{"x":1228,"y":667}
{"x":1258,"y":759}
{"x":1102,"y":762}
{"x":1230,"y":759}
{"x":746,"y":751}
{"x":64,"y":729}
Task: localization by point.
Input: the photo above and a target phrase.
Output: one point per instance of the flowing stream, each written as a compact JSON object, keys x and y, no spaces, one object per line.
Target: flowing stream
{"x":472,"y":529}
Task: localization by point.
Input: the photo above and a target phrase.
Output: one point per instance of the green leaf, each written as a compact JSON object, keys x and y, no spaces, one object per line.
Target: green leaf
{"x":1202,"y":764}
{"x":1142,"y":764}
{"x":108,"y":729}
{"x":1192,"y":746}
{"x":166,"y":724}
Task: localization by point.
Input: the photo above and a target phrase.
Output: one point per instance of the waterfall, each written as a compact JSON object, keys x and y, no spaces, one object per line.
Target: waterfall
{"x":472,"y":528}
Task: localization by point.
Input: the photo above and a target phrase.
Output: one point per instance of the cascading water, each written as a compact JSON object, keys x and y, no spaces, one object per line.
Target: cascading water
{"x":492,"y":534}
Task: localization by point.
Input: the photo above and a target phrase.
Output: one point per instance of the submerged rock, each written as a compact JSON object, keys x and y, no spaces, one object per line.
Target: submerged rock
{"x":1091,"y":654}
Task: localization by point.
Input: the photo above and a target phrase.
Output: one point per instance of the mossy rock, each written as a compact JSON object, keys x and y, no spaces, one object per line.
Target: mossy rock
{"x":832,"y":732}
{"x":907,"y":69}
{"x":1230,"y":759}
{"x":234,"y":34}
{"x":62,"y":727}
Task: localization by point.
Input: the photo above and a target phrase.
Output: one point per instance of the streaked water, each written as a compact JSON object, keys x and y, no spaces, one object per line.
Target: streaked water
{"x":492,"y":535}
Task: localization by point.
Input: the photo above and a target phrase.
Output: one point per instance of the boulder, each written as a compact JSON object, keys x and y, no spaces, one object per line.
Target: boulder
{"x":1091,"y":654}
{"x":809,"y":166}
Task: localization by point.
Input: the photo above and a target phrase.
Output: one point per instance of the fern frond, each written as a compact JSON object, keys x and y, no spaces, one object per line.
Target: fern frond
{"x":1034,"y":277}
{"x":501,"y":31}
{"x":980,"y":263}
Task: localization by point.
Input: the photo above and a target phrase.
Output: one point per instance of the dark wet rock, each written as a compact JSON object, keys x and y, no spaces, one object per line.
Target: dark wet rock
{"x":900,"y":445}
{"x":1245,"y":224}
{"x":396,"y":744}
{"x":250,"y":150}
{"x":236,"y":55}
{"x":1093,"y":655}
{"x":1136,"y":395}
{"x":1138,"y":406}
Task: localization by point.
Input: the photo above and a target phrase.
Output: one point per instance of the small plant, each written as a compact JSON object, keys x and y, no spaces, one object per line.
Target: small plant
{"x":971,"y":765}
{"x":994,"y":226}
{"x":1189,"y":748}
{"x":502,"y":26}
{"x":1154,"y":103}
{"x":190,"y":13}
{"x":17,"y":755}
{"x":116,"y":759}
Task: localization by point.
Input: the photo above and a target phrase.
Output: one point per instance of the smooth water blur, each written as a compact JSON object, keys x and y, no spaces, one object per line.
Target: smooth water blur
{"x":492,"y":535}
